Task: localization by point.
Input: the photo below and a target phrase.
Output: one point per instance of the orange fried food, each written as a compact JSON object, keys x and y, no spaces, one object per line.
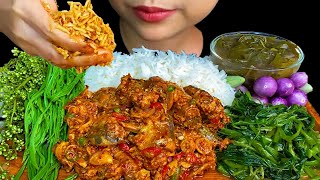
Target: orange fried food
{"x":143,"y":129}
{"x":83,"y":25}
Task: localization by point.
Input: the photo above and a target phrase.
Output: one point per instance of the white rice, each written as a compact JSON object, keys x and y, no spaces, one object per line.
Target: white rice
{"x":183,"y":69}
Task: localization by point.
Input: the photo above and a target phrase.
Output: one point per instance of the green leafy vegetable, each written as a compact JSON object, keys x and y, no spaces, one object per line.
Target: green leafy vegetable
{"x":269,"y":142}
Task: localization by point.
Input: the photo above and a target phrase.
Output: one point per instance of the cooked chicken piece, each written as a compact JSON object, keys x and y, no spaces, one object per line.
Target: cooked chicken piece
{"x":209,"y":105}
{"x":143,"y":129}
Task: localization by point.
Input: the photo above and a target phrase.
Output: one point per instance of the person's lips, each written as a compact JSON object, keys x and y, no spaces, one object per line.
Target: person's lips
{"x":152,"y":14}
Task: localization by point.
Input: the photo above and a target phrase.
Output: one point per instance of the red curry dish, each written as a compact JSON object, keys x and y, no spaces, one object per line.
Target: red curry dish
{"x":143,"y":129}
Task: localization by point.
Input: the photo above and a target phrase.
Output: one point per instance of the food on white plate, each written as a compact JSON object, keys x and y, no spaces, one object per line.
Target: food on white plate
{"x":82,"y":24}
{"x":142,"y":129}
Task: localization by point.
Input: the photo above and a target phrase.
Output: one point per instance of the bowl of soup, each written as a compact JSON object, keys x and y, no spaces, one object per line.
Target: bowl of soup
{"x":254,"y":54}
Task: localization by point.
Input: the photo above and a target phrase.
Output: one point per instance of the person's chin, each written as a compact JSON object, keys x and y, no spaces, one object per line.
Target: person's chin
{"x":154,"y":34}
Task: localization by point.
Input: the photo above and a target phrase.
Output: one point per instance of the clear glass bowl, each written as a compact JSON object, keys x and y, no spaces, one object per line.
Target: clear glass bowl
{"x":256,"y":60}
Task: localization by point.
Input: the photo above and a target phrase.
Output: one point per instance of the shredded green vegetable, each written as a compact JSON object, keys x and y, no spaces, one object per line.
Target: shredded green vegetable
{"x":44,"y":125}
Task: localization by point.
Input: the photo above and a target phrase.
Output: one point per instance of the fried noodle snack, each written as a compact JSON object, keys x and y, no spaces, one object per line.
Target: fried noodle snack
{"x":81,"y":23}
{"x":143,"y":129}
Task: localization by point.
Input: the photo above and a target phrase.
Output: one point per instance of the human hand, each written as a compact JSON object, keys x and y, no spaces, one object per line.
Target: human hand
{"x":28,"y":24}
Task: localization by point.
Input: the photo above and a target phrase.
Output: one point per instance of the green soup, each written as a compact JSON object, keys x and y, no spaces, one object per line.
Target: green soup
{"x":257,"y":51}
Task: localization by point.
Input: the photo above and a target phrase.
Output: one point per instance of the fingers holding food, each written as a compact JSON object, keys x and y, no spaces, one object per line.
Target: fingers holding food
{"x":75,"y":44}
{"x":34,"y":43}
{"x":80,"y":62}
{"x":81,"y":36}
{"x":33,"y":13}
{"x":102,"y":57}
{"x":49,"y":5}
{"x":47,"y":26}
{"x":64,"y":38}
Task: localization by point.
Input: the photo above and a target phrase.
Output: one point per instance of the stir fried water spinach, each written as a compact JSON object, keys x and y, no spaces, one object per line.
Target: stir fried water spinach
{"x":269,"y":142}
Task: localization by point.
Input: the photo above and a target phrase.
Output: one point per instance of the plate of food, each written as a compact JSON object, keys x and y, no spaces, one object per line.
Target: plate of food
{"x":152,"y":114}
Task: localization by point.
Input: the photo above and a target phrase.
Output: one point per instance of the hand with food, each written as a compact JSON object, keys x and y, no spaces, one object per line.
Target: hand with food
{"x":40,"y":29}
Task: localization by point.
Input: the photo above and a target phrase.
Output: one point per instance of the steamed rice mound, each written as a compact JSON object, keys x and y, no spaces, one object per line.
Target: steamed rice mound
{"x":183,"y":69}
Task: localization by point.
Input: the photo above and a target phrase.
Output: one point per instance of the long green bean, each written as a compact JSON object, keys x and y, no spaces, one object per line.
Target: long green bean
{"x":44,"y":124}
